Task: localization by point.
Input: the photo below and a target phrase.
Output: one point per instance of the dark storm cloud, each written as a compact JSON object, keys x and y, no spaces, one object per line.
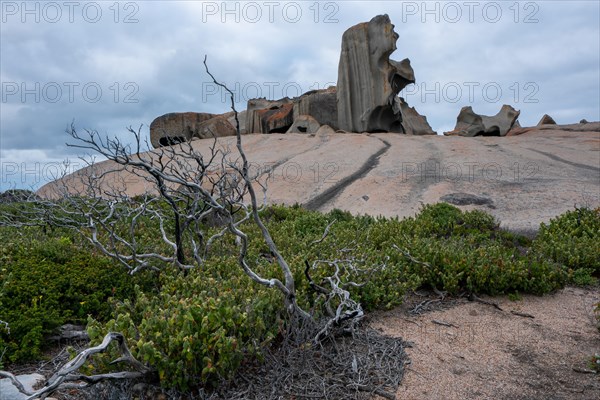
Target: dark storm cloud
{"x":138,"y":60}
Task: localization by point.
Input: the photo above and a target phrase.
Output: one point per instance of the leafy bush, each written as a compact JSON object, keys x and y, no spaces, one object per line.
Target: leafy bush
{"x":48,"y":281}
{"x":572,"y":239}
{"x":200,"y":327}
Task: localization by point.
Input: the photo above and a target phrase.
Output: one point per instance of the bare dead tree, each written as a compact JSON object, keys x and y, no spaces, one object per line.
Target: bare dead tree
{"x":183,"y":188}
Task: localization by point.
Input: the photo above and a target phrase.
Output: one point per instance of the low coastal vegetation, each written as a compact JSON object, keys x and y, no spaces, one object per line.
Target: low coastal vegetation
{"x":197,"y":327}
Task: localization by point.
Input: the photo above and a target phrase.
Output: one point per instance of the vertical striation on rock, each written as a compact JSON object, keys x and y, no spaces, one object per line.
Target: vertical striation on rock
{"x":319,"y":104}
{"x":368,"y":81}
{"x":269,"y":116}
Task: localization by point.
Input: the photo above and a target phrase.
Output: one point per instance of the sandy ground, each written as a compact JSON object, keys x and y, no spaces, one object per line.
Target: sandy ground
{"x":491,"y":354}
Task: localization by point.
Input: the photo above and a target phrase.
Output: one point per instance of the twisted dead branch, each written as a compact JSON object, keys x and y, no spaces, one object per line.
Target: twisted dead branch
{"x":67,"y":376}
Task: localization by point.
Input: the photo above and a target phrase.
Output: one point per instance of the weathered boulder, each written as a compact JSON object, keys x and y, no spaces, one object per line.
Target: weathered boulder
{"x":470,"y":124}
{"x":546,"y":120}
{"x":175,"y":128}
{"x":218,"y":126}
{"x":304,"y":124}
{"x":269,"y":116}
{"x":368,"y":81}
{"x":325,"y":130}
{"x":319,"y":104}
{"x":413,"y":122}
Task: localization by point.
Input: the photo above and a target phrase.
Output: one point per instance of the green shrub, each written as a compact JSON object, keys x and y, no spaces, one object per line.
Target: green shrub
{"x":200,"y":327}
{"x":49,"y":281}
{"x":572,"y":239}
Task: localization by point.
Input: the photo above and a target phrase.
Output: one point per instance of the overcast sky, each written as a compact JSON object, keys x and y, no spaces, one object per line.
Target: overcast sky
{"x":107,"y":65}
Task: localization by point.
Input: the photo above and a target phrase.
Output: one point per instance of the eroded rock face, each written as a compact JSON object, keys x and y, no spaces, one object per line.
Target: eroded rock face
{"x":469,"y":123}
{"x":368,"y":81}
{"x":218,"y":126}
{"x":413,"y":122}
{"x":176,"y":128}
{"x":269,"y":116}
{"x":319,"y":104}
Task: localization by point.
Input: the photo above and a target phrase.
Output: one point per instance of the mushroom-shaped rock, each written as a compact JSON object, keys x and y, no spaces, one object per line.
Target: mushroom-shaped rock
{"x":176,"y":128}
{"x":368,"y":81}
{"x":470,"y":124}
{"x":304,"y":124}
{"x":319,"y":104}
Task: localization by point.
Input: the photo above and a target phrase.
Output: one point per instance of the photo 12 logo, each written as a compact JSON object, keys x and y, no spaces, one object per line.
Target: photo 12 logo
{"x":471,"y":92}
{"x":270,"y":11}
{"x":468,"y":171}
{"x":53,"y":12}
{"x":54,"y":92}
{"x":255,"y":90}
{"x":36,"y":173}
{"x":453,"y":12}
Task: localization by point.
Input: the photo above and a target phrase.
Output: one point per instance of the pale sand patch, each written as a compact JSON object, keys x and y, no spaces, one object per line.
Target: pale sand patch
{"x":493,"y":354}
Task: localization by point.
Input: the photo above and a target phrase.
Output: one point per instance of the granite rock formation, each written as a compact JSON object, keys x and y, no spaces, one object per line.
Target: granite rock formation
{"x":319,"y":104}
{"x":269,"y":116}
{"x":215,"y":127}
{"x":413,"y":122}
{"x":469,"y":123}
{"x":546,"y":120}
{"x":175,"y":128}
{"x":304,"y":124}
{"x":368,"y":81}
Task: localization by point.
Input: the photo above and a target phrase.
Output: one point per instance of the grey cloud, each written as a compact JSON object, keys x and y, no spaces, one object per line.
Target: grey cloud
{"x":161,"y":55}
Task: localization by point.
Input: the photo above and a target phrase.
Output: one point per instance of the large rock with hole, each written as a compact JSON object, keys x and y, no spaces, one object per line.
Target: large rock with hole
{"x":368,"y":81}
{"x":469,"y":123}
{"x":175,"y":128}
{"x":413,"y":122}
{"x":304,"y":124}
{"x":269,"y":116}
{"x":319,"y":104}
